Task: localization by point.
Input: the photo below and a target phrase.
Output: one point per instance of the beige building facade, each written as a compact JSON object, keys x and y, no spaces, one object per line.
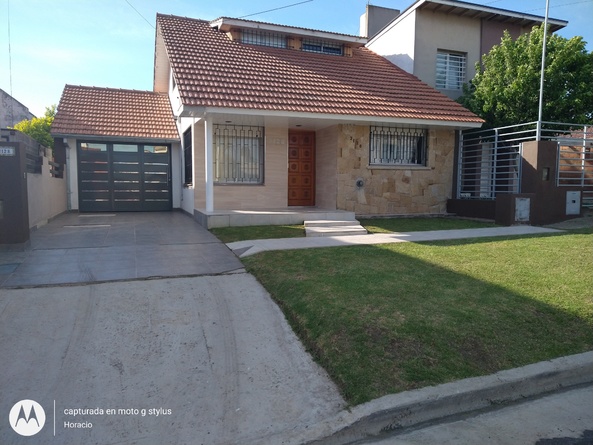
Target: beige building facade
{"x":344,"y":178}
{"x":440,"y":41}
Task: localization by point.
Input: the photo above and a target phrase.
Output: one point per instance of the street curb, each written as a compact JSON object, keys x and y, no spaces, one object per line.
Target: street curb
{"x":428,"y":405}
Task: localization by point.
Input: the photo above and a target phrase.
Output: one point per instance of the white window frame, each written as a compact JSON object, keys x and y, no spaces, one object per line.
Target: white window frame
{"x":322,"y":47}
{"x":450,"y":70}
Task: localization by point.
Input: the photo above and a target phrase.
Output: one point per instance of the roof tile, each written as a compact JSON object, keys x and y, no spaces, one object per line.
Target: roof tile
{"x":213,"y":71}
{"x":114,"y":112}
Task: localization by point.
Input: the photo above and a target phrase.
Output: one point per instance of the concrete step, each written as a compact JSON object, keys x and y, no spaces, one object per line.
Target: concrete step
{"x":333,"y":228}
{"x":331,"y":223}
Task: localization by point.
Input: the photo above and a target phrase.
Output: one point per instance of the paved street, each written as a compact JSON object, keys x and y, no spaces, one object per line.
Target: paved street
{"x":564,"y":418}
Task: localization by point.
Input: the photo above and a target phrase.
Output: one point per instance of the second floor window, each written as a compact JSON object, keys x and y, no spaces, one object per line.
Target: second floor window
{"x":322,"y":46}
{"x":255,"y":37}
{"x":450,"y":70}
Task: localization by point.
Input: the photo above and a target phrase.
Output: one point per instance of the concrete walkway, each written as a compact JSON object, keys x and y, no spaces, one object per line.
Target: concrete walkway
{"x":247,"y":248}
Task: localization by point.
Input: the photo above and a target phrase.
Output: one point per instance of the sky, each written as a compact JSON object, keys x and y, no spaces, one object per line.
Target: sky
{"x":110,"y":43}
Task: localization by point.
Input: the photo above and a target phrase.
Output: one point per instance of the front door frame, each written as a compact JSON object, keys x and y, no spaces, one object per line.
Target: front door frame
{"x":301,"y":168}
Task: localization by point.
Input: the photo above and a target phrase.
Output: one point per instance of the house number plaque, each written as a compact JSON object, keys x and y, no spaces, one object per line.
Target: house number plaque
{"x":7,"y":151}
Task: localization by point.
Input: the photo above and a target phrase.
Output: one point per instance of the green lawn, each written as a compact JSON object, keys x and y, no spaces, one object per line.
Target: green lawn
{"x":232,"y":234}
{"x":383,"y":225}
{"x":388,"y":318}
{"x":377,"y":225}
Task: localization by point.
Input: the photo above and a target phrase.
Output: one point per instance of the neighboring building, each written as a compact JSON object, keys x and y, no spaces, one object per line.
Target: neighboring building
{"x":270,"y":117}
{"x":440,"y":41}
{"x":12,"y":111}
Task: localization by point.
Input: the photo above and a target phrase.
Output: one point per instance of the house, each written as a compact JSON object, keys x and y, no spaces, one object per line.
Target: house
{"x":12,"y":111}
{"x":257,"y":116}
{"x":440,"y":41}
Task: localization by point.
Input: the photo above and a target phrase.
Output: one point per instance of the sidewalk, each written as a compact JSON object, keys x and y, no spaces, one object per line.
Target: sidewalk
{"x":251,"y":247}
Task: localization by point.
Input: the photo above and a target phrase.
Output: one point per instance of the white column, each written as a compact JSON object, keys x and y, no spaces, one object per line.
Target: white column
{"x":209,"y":159}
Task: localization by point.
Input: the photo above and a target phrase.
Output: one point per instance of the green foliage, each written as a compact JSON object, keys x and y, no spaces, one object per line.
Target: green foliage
{"x":505,"y":90}
{"x":39,"y":127}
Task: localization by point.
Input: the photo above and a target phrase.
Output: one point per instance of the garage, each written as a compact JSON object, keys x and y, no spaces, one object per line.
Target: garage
{"x":121,"y":149}
{"x":123,"y":177}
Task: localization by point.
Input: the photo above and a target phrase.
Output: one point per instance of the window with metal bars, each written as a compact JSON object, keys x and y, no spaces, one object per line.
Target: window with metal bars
{"x":238,"y":154}
{"x":322,"y":46}
{"x":450,"y":70}
{"x":397,"y":146}
{"x":187,"y":157}
{"x":255,"y":37}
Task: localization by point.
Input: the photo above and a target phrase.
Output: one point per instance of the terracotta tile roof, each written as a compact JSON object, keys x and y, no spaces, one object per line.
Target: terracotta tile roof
{"x":115,"y":113}
{"x":213,"y":71}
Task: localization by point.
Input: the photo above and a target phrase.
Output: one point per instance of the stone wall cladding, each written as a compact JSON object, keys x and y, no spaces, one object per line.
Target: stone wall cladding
{"x":397,"y":190}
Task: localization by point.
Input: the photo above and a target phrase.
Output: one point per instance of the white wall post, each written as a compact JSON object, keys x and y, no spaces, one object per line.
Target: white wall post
{"x":209,"y":159}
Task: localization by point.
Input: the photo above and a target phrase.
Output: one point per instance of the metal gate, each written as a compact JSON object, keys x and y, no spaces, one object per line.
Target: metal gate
{"x":123,"y":177}
{"x":490,"y":160}
{"x":575,"y":162}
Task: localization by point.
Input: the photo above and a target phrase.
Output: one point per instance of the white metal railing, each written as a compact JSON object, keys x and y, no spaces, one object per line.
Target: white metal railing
{"x":490,"y":160}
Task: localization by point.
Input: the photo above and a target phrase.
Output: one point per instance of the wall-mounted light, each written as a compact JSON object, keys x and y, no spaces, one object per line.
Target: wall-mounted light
{"x":360,"y":183}
{"x":546,"y":174}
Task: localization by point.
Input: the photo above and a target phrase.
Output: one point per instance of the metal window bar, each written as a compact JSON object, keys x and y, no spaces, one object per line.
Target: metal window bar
{"x":450,"y":71}
{"x":397,"y":146}
{"x":322,"y":46}
{"x":255,"y":37}
{"x":187,"y":157}
{"x":238,"y":154}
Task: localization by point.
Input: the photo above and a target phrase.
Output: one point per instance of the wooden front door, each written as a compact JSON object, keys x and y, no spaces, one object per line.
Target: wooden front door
{"x":301,"y":168}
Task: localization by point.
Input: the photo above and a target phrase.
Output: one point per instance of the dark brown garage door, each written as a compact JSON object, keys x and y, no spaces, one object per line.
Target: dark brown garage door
{"x":123,"y":177}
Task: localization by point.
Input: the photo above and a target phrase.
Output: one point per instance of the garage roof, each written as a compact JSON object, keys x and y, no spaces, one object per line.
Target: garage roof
{"x":114,"y":113}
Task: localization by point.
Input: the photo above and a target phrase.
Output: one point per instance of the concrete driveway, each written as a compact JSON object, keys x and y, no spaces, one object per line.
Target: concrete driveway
{"x":85,"y":248}
{"x":203,"y":356}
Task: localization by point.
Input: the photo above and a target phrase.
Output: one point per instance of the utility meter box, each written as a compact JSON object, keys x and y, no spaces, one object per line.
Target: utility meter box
{"x":573,"y":203}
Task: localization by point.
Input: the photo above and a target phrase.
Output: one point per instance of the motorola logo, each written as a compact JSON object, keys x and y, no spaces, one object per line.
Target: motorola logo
{"x":27,"y":417}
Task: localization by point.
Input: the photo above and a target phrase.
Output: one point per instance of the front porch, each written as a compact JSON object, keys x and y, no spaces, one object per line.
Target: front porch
{"x":265,"y":217}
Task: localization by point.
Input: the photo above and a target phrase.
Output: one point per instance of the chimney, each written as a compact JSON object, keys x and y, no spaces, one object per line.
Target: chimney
{"x":375,"y":19}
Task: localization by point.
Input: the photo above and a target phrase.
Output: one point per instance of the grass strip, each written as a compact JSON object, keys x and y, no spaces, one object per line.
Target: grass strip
{"x":388,"y":318}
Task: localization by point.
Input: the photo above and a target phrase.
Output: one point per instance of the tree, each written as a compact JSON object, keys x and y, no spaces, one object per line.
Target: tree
{"x":505,"y":90}
{"x":39,"y":127}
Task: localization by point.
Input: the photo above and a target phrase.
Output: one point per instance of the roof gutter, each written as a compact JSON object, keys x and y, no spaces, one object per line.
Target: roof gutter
{"x":226,"y":24}
{"x":200,"y":112}
{"x":110,"y":137}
